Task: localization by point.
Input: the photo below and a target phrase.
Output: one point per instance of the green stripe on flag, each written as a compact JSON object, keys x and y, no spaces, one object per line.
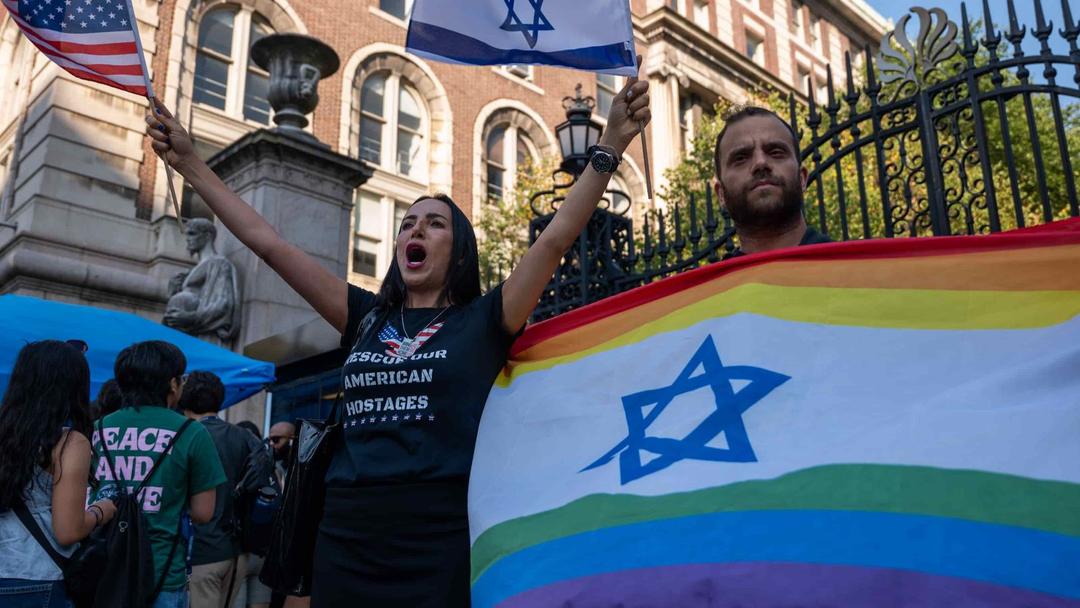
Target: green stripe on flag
{"x":1052,"y":506}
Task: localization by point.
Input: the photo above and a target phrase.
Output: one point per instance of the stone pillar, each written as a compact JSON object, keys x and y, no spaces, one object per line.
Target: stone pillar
{"x":295,"y":182}
{"x":306,"y":192}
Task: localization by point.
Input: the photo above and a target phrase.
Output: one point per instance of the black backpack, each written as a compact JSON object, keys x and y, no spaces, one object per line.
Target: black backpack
{"x":118,"y":552}
{"x":256,"y":501}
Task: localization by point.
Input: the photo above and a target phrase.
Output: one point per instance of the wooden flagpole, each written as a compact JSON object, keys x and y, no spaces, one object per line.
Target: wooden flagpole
{"x":150,"y":96}
{"x":645,"y":146}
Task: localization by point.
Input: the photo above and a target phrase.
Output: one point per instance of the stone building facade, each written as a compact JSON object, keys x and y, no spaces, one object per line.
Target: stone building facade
{"x":84,"y":215}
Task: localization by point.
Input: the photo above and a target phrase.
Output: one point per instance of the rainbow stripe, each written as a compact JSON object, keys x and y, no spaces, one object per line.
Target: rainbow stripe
{"x":920,"y":450}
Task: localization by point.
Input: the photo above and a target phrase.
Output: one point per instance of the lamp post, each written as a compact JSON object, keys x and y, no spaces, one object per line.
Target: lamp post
{"x":578,"y":133}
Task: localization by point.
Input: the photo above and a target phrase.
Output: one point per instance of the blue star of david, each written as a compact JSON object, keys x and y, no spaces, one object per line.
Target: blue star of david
{"x":531,"y":31}
{"x":726,"y":419}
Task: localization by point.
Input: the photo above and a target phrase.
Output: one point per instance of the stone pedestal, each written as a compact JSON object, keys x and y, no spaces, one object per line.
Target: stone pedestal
{"x":306,"y":192}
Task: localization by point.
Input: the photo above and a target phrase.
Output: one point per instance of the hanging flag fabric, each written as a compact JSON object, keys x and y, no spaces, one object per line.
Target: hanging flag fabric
{"x":92,"y":39}
{"x":871,"y":423}
{"x":596,"y":35}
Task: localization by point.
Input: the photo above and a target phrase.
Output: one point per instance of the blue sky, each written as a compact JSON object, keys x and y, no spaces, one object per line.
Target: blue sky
{"x":1025,"y":13}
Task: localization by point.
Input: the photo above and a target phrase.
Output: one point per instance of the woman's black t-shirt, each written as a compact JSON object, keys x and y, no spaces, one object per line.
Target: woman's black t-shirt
{"x":414,"y":419}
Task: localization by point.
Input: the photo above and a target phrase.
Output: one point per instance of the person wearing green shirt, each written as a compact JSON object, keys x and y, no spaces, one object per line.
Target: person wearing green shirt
{"x":151,"y":376}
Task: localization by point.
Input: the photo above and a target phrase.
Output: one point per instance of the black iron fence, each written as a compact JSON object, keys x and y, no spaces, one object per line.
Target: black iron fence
{"x":945,"y":136}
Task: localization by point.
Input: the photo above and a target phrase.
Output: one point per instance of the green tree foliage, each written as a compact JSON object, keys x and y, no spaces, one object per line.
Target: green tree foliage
{"x":503,"y":227}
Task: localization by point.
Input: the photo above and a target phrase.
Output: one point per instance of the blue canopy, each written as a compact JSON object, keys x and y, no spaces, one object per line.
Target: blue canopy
{"x":24,"y":319}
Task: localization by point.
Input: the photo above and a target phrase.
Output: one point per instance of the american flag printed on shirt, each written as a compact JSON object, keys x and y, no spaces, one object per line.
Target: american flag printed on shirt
{"x":393,"y":338}
{"x":390,"y":336}
{"x":92,"y":39}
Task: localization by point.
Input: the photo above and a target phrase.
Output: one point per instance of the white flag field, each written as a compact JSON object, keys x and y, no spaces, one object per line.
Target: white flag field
{"x":596,"y":35}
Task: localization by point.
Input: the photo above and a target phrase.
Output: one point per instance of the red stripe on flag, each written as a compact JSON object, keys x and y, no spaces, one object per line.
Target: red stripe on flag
{"x":114,"y":48}
{"x":1062,"y":232}
{"x":139,"y":90}
{"x":131,"y":69}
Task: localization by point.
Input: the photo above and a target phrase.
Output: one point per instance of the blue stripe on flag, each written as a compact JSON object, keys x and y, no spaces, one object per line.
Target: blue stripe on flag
{"x":427,"y":39}
{"x":1005,"y":555}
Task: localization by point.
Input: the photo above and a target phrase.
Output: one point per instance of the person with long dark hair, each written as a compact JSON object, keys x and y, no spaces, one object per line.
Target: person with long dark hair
{"x":44,"y":470}
{"x":424,"y":353}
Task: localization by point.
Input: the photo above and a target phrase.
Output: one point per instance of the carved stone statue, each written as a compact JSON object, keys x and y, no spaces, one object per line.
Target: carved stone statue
{"x":204,"y":301}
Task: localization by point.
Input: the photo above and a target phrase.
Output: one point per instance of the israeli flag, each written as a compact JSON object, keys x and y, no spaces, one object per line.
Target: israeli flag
{"x":593,"y":35}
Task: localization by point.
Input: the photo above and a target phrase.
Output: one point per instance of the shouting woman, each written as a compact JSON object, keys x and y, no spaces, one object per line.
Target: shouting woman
{"x":425,"y":351}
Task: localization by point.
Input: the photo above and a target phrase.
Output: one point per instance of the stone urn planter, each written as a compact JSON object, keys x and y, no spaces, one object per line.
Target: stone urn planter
{"x":296,"y":64}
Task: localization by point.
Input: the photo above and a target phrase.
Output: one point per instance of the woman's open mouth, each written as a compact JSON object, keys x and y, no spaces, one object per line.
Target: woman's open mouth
{"x":415,"y":254}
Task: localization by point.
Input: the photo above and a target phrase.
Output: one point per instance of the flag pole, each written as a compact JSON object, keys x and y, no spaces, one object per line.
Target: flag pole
{"x":645,"y":159}
{"x":150,"y":96}
{"x":644,"y":149}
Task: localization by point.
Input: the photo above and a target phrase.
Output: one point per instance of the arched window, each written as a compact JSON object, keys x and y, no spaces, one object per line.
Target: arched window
{"x":507,"y":148}
{"x":225,"y":76}
{"x":393,"y":126}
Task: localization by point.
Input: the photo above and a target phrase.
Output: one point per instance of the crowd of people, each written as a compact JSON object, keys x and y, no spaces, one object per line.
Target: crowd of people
{"x":423,"y":354}
{"x":65,"y":459}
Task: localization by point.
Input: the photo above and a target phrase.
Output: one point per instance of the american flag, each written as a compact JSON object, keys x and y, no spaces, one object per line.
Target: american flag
{"x":92,"y":39}
{"x":393,"y":338}
{"x":390,"y":336}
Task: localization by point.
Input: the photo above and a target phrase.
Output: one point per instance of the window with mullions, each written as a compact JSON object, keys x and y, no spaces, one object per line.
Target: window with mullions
{"x":393,"y":124}
{"x":506,"y":150}
{"x":367,"y":234}
{"x":257,"y":82}
{"x":214,"y":58}
{"x":755,"y":48}
{"x":225,"y":76}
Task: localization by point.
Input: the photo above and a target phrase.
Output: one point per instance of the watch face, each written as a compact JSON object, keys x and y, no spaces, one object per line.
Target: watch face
{"x":602,"y":162}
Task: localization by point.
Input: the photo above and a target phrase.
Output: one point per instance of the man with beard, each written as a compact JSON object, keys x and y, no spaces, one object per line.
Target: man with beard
{"x":760,"y":180}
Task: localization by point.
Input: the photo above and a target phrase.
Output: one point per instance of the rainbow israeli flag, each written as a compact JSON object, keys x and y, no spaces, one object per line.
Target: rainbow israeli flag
{"x":596,"y":35}
{"x":885,"y":423}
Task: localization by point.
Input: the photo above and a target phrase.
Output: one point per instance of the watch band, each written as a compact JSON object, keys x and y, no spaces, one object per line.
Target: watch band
{"x":602,"y":148}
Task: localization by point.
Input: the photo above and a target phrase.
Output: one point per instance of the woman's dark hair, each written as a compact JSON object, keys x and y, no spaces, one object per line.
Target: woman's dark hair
{"x":249,"y":426}
{"x":462,"y":275}
{"x":108,"y":399}
{"x":49,"y":390}
{"x":203,"y":393}
{"x":144,"y":370}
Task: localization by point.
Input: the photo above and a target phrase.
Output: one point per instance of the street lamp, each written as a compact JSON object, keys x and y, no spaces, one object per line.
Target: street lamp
{"x":578,"y":133}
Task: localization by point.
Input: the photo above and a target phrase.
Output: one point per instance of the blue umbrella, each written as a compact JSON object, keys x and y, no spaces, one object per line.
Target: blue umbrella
{"x":24,"y":319}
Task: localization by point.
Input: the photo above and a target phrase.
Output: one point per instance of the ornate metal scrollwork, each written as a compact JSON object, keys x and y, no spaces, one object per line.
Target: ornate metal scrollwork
{"x":901,"y":60}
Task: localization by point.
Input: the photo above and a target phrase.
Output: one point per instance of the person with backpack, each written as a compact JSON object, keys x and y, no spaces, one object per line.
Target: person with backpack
{"x":219,"y":568}
{"x":253,"y":592}
{"x":163,"y":463}
{"x":44,"y":469}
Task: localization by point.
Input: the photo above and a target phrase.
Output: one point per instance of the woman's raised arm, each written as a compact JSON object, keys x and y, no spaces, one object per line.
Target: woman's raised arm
{"x":522,"y":290}
{"x":326,"y":293}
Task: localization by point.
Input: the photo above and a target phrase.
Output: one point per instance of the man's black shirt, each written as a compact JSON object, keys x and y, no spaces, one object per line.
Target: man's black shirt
{"x":215,"y":540}
{"x":810,"y":237}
